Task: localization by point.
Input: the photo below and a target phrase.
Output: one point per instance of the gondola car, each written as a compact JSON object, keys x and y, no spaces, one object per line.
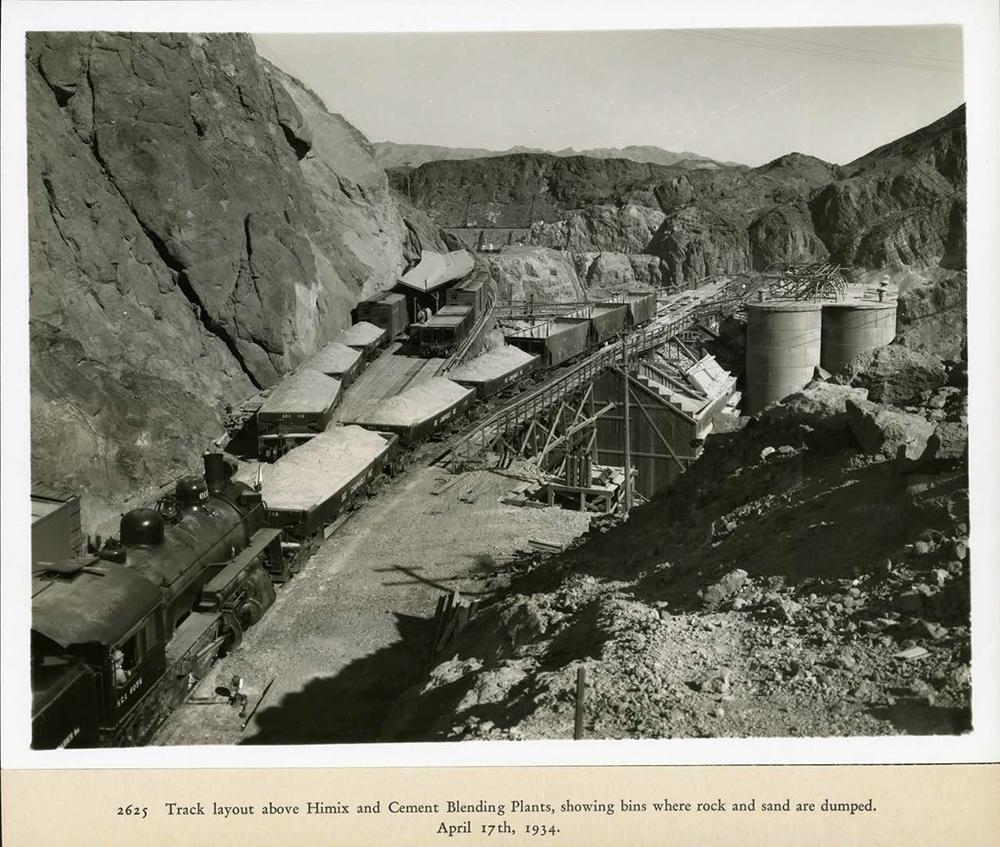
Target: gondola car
{"x":444,"y":332}
{"x":119,"y":635}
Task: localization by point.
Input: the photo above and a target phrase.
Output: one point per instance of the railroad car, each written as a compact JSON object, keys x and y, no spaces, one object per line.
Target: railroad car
{"x":554,"y":342}
{"x":363,"y":336}
{"x":495,"y":370}
{"x":299,"y":408}
{"x":641,"y":306}
{"x":119,"y":635}
{"x":606,"y":320}
{"x":55,"y":528}
{"x":387,"y":311}
{"x":445,"y":331}
{"x":337,"y":360}
{"x":306,"y":490}
{"x":469,"y":292}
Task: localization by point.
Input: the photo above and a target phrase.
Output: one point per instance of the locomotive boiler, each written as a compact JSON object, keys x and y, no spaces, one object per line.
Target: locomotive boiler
{"x":119,"y":635}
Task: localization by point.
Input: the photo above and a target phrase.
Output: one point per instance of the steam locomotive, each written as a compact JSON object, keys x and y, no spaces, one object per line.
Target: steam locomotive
{"x":120,"y":634}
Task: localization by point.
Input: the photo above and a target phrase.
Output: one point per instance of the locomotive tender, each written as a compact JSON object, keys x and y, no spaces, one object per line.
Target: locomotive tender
{"x":120,"y":635}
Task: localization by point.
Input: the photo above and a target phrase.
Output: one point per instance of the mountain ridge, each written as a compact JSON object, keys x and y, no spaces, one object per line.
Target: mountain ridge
{"x":392,"y":154}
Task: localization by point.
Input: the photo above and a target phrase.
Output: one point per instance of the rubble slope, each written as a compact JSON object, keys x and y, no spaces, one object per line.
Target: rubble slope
{"x":807,"y":576}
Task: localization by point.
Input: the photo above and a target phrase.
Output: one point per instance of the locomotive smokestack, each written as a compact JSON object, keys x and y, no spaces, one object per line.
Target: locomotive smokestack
{"x":216,"y":471}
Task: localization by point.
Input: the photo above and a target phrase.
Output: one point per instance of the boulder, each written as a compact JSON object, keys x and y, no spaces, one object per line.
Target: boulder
{"x":725,"y":589}
{"x":895,"y":374}
{"x":948,"y":443}
{"x":822,"y":405}
{"x":885,"y":431}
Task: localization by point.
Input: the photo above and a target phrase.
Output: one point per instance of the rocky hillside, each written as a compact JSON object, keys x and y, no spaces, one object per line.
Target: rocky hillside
{"x":199,"y":223}
{"x":391,"y":155}
{"x":808,"y":576}
{"x":900,"y":205}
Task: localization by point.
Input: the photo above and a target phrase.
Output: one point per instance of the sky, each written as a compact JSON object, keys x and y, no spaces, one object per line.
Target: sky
{"x":742,"y":95}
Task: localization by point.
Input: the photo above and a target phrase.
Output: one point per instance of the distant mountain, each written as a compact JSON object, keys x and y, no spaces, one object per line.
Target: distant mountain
{"x":902,"y":204}
{"x":390,"y":154}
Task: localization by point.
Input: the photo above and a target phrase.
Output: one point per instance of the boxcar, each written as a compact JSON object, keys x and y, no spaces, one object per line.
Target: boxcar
{"x":387,"y":311}
{"x":470,"y":292}
{"x":555,"y":342}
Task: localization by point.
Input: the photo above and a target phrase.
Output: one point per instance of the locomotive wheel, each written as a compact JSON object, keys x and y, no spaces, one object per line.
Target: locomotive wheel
{"x":233,"y":633}
{"x":249,"y":613}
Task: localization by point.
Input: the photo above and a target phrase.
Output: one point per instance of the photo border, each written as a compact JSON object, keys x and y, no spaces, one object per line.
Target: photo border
{"x":978,"y":19}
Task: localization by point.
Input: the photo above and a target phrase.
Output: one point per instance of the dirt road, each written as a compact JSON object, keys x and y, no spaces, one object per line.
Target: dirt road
{"x":351,"y":631}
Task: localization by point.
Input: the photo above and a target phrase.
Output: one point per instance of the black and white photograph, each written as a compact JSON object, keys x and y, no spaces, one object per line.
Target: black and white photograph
{"x":500,"y":386}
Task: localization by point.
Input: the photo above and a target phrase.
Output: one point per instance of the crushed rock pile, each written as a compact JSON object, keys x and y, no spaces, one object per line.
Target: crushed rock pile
{"x":808,"y":576}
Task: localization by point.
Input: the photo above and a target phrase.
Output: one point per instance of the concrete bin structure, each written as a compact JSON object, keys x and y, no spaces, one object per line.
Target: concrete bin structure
{"x":783,"y":349}
{"x":855,"y":327}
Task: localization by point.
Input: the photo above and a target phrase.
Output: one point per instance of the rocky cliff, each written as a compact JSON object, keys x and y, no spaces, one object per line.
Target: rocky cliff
{"x":199,"y":223}
{"x":901,"y":205}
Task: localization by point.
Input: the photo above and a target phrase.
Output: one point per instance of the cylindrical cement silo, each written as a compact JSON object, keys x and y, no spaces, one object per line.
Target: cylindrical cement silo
{"x":783,"y":350}
{"x":852,"y":328}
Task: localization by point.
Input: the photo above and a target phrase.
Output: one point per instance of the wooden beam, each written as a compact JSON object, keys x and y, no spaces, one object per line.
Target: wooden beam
{"x":659,"y":434}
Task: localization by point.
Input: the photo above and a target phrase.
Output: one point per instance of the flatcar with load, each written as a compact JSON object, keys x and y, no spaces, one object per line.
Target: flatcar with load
{"x":299,"y":408}
{"x":307,"y":489}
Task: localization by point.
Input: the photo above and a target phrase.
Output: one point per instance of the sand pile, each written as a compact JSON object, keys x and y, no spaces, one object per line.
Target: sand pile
{"x":305,"y":391}
{"x":309,"y":474}
{"x":334,"y":358}
{"x":360,"y":334}
{"x":419,"y":402}
{"x":492,"y":364}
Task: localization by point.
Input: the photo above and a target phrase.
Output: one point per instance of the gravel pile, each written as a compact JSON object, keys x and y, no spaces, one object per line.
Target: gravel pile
{"x":334,"y":358}
{"x":309,"y":474}
{"x":418,"y":403}
{"x":491,"y":364}
{"x":360,"y":334}
{"x":306,"y":391}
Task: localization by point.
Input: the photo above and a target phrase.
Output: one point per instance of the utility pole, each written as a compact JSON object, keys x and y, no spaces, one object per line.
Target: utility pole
{"x":628,"y":433}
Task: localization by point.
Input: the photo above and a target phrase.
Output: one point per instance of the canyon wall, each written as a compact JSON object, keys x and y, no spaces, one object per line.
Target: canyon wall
{"x":199,"y":224}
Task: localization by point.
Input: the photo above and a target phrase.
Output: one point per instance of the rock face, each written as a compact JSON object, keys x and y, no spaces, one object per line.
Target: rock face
{"x":548,"y":276}
{"x":932,"y":315}
{"x":628,"y":229}
{"x":901,"y":205}
{"x":199,"y":224}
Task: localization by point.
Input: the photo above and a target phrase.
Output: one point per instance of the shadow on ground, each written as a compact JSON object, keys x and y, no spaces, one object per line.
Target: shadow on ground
{"x":351,"y":706}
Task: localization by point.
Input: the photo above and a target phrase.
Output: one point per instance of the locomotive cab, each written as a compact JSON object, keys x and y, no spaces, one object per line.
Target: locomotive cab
{"x":107,"y":619}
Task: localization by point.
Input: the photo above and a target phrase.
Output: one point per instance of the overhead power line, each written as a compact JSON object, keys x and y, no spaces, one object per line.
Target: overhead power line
{"x":831,"y":46}
{"x":726,"y":39}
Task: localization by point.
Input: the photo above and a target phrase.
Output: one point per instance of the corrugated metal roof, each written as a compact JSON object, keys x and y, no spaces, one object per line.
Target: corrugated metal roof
{"x":436,"y":269}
